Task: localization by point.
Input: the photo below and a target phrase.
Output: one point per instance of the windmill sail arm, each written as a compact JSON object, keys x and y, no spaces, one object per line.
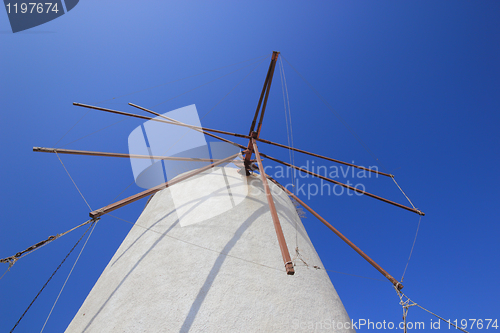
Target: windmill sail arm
{"x":346,"y":186}
{"x":264,"y":88}
{"x":277,"y":226}
{"x":199,"y":129}
{"x":268,"y":89}
{"x":160,"y":120}
{"x":111,"y":207}
{"x":395,"y":282}
{"x":324,"y":157}
{"x":98,"y":153}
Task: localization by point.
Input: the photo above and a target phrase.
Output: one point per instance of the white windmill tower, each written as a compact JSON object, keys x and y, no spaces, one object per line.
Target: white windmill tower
{"x":209,"y":251}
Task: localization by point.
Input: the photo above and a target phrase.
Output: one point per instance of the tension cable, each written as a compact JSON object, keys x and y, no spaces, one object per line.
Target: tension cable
{"x":50,"y":278}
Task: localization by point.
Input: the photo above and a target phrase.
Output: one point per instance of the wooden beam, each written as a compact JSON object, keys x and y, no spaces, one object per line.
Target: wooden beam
{"x":326,"y":158}
{"x":264,"y":89}
{"x":347,"y":186}
{"x":98,"y":153}
{"x":277,"y":226}
{"x":344,"y":238}
{"x":160,"y":120}
{"x":196,"y":129}
{"x":111,"y":207}
{"x":273,"y":63}
{"x":265,"y":92}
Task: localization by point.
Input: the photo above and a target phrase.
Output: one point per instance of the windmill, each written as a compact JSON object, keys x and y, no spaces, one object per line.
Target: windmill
{"x":135,"y":282}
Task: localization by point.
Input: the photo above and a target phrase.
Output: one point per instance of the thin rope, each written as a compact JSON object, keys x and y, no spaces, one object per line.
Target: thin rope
{"x":408,"y":303}
{"x":360,"y":276}
{"x":285,"y":96}
{"x":8,"y":269}
{"x":232,"y":256}
{"x":13,"y":259}
{"x":200,"y":246}
{"x":292,"y":153}
{"x":411,"y":203}
{"x":338,"y":116}
{"x":132,"y":183}
{"x":200,"y":119}
{"x":405,"y":305}
{"x":71,"y":128}
{"x":411,"y":251}
{"x":349,"y":128}
{"x":69,"y":274}
{"x":446,"y":321}
{"x":288,"y":120}
{"x":50,"y":278}
{"x":291,"y":127}
{"x":286,"y":113}
{"x":73,"y":181}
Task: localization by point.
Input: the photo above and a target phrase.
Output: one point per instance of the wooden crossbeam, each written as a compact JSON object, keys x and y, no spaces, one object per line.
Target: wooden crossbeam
{"x":277,"y":226}
{"x":273,"y":65}
{"x":111,"y":207}
{"x":98,"y":153}
{"x":395,"y":282}
{"x":325,"y":158}
{"x":346,"y":186}
{"x":195,"y":128}
{"x":265,"y":88}
{"x":263,"y":98}
{"x":160,"y":120}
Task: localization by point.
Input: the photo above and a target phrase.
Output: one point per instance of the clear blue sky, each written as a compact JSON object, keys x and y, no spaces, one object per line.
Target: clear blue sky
{"x":418,"y":82}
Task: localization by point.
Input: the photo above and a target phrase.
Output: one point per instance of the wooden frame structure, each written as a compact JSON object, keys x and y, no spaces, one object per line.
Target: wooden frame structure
{"x":247,"y":151}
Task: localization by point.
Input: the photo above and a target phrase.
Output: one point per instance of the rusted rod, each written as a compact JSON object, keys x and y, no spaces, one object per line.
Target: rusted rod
{"x":111,"y":207}
{"x":176,"y":121}
{"x":264,"y":88}
{"x":277,"y":226}
{"x":324,"y":157}
{"x":273,"y":62}
{"x":347,"y":186}
{"x":344,"y":238}
{"x":196,"y":129}
{"x":98,"y":153}
{"x":160,"y":120}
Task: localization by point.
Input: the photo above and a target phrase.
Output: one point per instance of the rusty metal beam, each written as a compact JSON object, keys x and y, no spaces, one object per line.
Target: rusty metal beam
{"x":344,"y":238}
{"x":160,"y":120}
{"x":273,"y":63}
{"x":264,"y":89}
{"x":347,"y":186}
{"x":98,"y":153}
{"x":324,"y":157}
{"x":265,"y":92}
{"x":277,"y":226}
{"x":111,"y":207}
{"x":196,"y":129}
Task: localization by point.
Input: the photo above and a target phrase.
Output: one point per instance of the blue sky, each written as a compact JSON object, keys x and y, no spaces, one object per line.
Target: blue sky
{"x":418,"y":82}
